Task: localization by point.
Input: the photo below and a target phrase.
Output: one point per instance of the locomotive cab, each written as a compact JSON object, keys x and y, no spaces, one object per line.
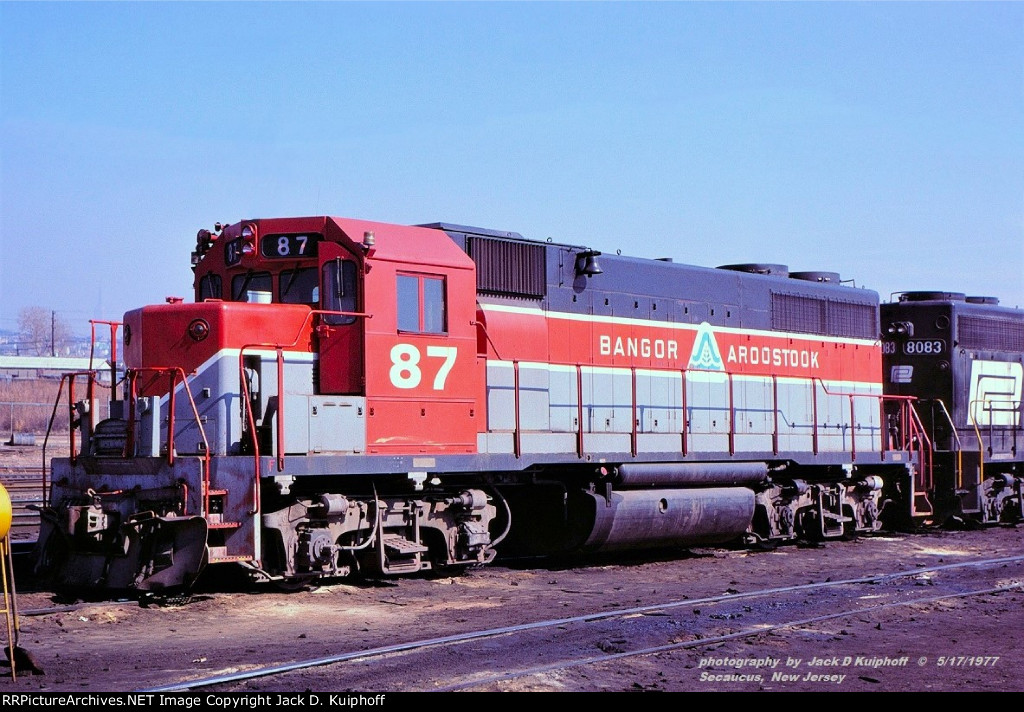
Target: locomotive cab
{"x":312,"y":341}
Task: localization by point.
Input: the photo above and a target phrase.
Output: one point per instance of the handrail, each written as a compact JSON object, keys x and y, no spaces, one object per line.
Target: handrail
{"x":911,"y":429}
{"x":981,"y":443}
{"x":880,"y":397}
{"x":732,"y":419}
{"x":1011,"y":407}
{"x":516,"y":443}
{"x":635,"y":430}
{"x":956,"y":438}
{"x":682,"y":402}
{"x":279,"y":347}
{"x":247,"y":411}
{"x":634,"y":424}
{"x":579,"y":410}
{"x":173,"y":373}
{"x":113,"y":351}
{"x":49,"y":426}
{"x":775,"y":414}
{"x":70,"y":378}
{"x":926,"y":449}
{"x":483,"y":327}
{"x":814,"y":415}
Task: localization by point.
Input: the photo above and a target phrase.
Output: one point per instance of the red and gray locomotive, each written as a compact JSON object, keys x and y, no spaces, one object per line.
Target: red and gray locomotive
{"x":349,"y":396}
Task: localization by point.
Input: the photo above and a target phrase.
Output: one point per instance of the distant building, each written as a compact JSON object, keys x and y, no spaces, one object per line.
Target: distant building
{"x":27,"y":367}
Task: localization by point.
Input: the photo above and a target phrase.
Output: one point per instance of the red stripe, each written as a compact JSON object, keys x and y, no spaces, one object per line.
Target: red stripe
{"x":535,"y":337}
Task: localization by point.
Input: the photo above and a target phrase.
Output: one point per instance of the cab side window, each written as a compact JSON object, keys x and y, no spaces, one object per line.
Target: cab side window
{"x":422,"y":307}
{"x":209,"y":287}
{"x":339,"y":281}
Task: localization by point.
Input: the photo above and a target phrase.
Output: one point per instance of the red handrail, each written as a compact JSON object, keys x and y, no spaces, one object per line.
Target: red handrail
{"x":516,"y":443}
{"x":814,"y":415}
{"x":279,"y":347}
{"x":173,"y":373}
{"x":113,"y":351}
{"x":579,"y":410}
{"x":911,"y":428}
{"x":682,"y":374}
{"x":732,"y":418}
{"x":129,"y":449}
{"x":633,"y":420}
{"x":53,"y":416}
{"x":775,"y":414}
{"x":912,"y":434}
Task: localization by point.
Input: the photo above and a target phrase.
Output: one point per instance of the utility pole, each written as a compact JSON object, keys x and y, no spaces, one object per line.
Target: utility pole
{"x":53,"y":333}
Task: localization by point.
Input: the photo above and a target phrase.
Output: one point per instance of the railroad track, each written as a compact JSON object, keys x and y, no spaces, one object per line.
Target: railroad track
{"x":479,"y":659}
{"x":25,"y":487}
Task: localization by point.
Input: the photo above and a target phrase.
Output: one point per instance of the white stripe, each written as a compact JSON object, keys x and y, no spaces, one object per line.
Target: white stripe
{"x":289,"y":358}
{"x":675,"y":374}
{"x":652,"y":323}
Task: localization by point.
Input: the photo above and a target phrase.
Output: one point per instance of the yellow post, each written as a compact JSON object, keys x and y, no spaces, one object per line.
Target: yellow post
{"x":10,"y":606}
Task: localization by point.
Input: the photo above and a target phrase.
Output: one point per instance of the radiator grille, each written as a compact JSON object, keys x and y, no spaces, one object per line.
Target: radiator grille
{"x":978,"y":332}
{"x":831,"y":317}
{"x":508,"y":268}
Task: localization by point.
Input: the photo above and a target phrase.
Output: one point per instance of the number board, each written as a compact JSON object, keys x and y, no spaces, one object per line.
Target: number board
{"x":289,"y":246}
{"x":233,"y":252}
{"x":924,"y":347}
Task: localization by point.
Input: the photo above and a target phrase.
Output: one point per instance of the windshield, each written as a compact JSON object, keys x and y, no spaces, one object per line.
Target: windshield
{"x":299,"y":286}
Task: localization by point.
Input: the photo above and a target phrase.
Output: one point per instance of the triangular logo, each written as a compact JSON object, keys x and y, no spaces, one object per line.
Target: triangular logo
{"x":705,"y":354}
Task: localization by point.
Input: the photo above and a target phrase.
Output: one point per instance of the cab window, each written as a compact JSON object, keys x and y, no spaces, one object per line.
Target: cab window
{"x":339,"y":292}
{"x":252,"y":287}
{"x":421,"y":304}
{"x":299,"y":286}
{"x":210,"y":287}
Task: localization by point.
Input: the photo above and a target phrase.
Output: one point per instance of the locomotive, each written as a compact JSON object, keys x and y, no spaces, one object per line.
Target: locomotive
{"x":346,"y":396}
{"x":962,"y":359}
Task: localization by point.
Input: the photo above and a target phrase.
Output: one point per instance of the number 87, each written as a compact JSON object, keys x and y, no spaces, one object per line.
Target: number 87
{"x":405,"y":370}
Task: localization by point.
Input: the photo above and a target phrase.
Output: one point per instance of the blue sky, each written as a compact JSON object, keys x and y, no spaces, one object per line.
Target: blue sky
{"x":884,"y":141}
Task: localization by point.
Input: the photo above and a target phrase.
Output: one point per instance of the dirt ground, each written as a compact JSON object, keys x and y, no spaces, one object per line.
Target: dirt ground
{"x":965,"y":644}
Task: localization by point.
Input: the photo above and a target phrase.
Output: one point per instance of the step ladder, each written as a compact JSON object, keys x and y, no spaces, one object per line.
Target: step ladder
{"x":219,"y":529}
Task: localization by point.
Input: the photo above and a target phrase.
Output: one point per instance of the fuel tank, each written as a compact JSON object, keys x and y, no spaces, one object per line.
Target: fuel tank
{"x":676,"y":517}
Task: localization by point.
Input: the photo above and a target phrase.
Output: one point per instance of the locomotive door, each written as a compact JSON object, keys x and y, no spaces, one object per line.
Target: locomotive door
{"x":339,"y":337}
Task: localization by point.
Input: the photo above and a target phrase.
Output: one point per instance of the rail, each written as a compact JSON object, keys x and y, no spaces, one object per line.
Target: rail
{"x":912,"y":425}
{"x":958,"y":446}
{"x":1004,"y":406}
{"x":113,"y":351}
{"x":173,"y":373}
{"x":250,"y":419}
{"x":911,"y":434}
{"x":70,"y":379}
